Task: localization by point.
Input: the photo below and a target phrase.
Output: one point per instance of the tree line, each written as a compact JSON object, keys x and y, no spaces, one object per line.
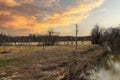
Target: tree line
{"x":106,"y":36}
{"x":49,"y":39}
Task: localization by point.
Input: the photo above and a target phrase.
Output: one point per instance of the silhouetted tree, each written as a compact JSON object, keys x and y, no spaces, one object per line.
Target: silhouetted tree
{"x":111,"y":36}
{"x":96,"y":34}
{"x":52,"y":37}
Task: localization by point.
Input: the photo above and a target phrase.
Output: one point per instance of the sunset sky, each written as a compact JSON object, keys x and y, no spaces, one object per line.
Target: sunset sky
{"x":23,"y":17}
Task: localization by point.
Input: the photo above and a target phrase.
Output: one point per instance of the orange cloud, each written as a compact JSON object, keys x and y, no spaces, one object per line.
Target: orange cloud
{"x":10,"y":3}
{"x":72,"y":14}
{"x":83,"y":8}
{"x":27,"y":22}
{"x":38,"y":18}
{"x":5,"y":13}
{"x":26,"y":1}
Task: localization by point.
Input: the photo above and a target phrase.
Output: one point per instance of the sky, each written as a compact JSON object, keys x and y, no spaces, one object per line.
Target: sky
{"x":23,"y":17}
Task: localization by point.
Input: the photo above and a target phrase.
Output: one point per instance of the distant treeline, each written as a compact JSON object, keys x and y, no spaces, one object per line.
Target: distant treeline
{"x":45,"y":39}
{"x":106,"y":36}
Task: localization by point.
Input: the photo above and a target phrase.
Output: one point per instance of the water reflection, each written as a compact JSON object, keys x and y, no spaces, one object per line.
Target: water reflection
{"x":108,"y":68}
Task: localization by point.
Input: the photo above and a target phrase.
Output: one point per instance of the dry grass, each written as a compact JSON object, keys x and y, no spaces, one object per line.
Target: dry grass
{"x":34,"y":62}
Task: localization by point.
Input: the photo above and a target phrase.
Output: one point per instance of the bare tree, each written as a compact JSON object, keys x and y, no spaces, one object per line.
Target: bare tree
{"x":50,"y":36}
{"x":96,"y":34}
{"x":109,"y":36}
{"x":51,"y":39}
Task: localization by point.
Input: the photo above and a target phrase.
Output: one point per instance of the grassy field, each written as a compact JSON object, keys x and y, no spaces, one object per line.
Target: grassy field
{"x":35,"y":62}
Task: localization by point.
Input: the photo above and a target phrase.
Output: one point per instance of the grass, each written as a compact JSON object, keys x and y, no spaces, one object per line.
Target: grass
{"x":34,"y":61}
{"x":17,"y":54}
{"x":14,"y":61}
{"x":17,"y":49}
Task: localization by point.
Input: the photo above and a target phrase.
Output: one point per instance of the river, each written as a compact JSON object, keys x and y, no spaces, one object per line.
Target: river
{"x":108,"y":68}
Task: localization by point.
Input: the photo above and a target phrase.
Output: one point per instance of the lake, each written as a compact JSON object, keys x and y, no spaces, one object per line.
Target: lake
{"x":108,"y":68}
{"x":57,"y":43}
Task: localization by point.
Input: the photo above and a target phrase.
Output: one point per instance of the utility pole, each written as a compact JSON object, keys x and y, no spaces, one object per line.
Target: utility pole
{"x":76,"y":44}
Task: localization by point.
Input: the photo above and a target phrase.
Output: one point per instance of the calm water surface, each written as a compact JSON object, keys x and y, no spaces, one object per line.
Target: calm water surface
{"x":108,"y":68}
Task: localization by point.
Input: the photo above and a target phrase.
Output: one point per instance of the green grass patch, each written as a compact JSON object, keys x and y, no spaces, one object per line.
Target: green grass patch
{"x":15,"y":61}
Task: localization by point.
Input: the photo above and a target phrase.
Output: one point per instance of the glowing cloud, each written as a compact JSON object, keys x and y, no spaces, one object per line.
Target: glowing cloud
{"x":10,"y":3}
{"x":38,"y":15}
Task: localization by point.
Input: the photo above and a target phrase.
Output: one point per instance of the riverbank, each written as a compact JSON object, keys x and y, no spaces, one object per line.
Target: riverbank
{"x":79,"y":66}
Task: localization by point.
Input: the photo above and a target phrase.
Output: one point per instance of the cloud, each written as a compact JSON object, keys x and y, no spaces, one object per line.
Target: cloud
{"x":25,"y":1}
{"x":10,"y":3}
{"x":38,"y":15}
{"x":13,"y":31}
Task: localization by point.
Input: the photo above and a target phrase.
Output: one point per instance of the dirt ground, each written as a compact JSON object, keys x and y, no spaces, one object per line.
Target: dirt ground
{"x":35,"y":62}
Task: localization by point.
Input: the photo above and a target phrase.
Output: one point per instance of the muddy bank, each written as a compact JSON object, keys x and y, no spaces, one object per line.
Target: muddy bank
{"x":80,"y":63}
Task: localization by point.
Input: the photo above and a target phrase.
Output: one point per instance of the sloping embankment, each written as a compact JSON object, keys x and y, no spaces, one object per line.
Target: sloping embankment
{"x":80,"y":63}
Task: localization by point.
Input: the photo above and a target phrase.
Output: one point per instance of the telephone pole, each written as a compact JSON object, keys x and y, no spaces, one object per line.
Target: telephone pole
{"x":76,"y":44}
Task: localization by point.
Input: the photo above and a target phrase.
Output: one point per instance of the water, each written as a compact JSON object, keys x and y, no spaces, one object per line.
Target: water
{"x":108,"y":68}
{"x":60,"y":43}
{"x":73,"y":43}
